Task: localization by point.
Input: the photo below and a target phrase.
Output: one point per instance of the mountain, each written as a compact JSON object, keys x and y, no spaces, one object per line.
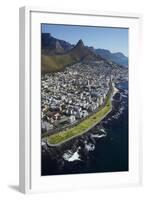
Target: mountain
{"x":57,"y":62}
{"x":82,"y":53}
{"x":118,"y":58}
{"x":51,"y":45}
{"x":56,"y":54}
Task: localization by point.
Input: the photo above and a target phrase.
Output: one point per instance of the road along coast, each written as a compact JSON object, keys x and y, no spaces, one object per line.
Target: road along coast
{"x":83,"y":127}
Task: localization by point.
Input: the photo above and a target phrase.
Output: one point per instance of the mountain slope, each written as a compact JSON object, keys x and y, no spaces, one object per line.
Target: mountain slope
{"x":118,"y":58}
{"x":54,"y":63}
{"x":51,"y":45}
{"x":83,"y":53}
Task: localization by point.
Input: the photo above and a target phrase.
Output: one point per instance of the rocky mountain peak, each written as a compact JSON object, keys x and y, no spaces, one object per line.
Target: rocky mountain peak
{"x":80,"y":43}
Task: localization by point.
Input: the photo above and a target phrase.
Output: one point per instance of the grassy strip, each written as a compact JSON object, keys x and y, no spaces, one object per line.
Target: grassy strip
{"x":82,"y":127}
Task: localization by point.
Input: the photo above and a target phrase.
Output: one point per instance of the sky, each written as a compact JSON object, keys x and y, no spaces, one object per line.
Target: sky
{"x":113,"y":39}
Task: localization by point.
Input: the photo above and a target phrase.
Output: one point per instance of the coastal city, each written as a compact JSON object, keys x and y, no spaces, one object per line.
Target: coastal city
{"x":84,"y":99}
{"x":69,"y":96}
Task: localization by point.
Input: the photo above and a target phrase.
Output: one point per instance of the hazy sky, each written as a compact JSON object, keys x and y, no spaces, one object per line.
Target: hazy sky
{"x":113,"y":39}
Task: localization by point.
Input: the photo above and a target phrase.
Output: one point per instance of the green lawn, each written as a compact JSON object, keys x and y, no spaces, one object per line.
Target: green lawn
{"x":81,"y":127}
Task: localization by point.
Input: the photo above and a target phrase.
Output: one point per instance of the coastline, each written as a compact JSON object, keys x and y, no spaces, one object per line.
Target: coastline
{"x":111,"y":144}
{"x":82,"y":133}
{"x":115,"y":90}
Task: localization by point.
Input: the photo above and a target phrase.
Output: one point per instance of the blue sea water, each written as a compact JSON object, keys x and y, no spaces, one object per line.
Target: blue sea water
{"x":123,"y":85}
{"x":110,"y":153}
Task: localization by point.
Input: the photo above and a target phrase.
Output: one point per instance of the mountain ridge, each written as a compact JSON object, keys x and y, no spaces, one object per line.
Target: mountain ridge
{"x":56,"y":54}
{"x":51,"y":45}
{"x":117,"y":57}
{"x":53,"y":62}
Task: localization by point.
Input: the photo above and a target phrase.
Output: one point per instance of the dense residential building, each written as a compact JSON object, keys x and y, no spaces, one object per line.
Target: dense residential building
{"x":75,"y":93}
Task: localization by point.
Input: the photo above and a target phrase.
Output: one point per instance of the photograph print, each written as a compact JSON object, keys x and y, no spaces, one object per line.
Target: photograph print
{"x":84,"y":99}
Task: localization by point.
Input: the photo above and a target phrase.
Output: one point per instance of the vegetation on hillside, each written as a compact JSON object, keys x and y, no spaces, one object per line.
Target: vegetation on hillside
{"x":55,"y":63}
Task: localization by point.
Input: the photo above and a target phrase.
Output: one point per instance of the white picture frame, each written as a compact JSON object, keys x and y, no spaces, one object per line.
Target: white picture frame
{"x":29,"y":160}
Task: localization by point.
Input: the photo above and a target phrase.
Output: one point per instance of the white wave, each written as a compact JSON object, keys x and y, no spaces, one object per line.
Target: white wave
{"x":103,"y":130}
{"x":90,"y":147}
{"x":98,"y":135}
{"x":43,"y":143}
{"x":115,"y":90}
{"x":71,"y":156}
{"x":123,"y":95}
